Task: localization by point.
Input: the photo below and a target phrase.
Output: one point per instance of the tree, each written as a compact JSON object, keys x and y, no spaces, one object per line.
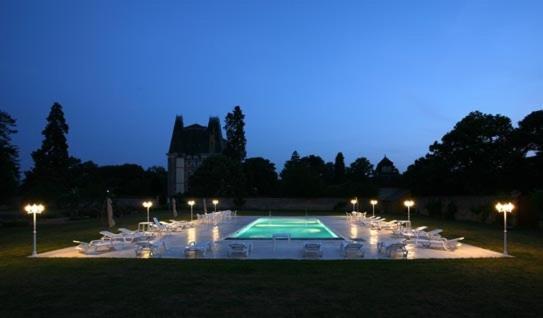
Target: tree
{"x":360,"y":170}
{"x":339,"y":168}
{"x":529,"y":134}
{"x":218,"y":176}
{"x":235,"y":135}
{"x":260,"y":175}
{"x":475,"y":157}
{"x":528,"y":141}
{"x":156,"y":178}
{"x":303,"y":176}
{"x":9,"y":159}
{"x":49,"y":177}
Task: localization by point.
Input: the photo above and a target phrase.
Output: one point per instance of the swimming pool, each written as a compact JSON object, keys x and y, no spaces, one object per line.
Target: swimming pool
{"x":297,"y":228}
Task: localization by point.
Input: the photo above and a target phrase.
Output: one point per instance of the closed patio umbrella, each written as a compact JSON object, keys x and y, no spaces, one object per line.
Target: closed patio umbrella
{"x":174,"y":208}
{"x":110,"y":220}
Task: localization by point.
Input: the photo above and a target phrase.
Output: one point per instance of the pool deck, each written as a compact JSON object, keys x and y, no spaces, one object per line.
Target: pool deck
{"x":175,"y":243}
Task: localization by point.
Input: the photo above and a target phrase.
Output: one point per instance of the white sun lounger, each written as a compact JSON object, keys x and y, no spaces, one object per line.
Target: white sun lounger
{"x":408,"y":234}
{"x":163,"y":226}
{"x":312,"y":250}
{"x":441,"y":243}
{"x":430,"y":235}
{"x":136,"y":236}
{"x":239,"y":249}
{"x":116,"y":238}
{"x":193,"y":249}
{"x":182,"y":224}
{"x":388,"y":225}
{"x":352,"y":249}
{"x":94,"y":247}
{"x":393,"y":248}
{"x":151,"y":249}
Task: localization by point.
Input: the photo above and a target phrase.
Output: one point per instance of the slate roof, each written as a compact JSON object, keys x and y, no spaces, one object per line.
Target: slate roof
{"x":196,"y":139}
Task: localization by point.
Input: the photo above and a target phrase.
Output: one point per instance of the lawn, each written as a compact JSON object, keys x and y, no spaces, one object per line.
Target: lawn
{"x":229,"y":288}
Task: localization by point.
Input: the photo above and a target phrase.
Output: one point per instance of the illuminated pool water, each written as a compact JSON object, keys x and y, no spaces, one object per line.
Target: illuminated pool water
{"x":298,"y":228}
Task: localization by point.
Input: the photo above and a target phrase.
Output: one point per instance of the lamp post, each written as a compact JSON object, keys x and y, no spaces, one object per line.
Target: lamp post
{"x":373,"y":204}
{"x":34,"y":209}
{"x":354,"y":202}
{"x":148,"y":205}
{"x":505,"y":208}
{"x":408,"y":204}
{"x":215,"y":202}
{"x":191,"y":203}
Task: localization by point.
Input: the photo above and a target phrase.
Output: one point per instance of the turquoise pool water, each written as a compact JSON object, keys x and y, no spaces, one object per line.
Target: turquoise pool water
{"x":298,"y":228}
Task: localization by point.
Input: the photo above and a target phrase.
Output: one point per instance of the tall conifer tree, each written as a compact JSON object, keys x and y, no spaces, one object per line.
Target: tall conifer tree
{"x":339,"y":167}
{"x":49,"y":177}
{"x":235,"y":135}
{"x":9,"y":159}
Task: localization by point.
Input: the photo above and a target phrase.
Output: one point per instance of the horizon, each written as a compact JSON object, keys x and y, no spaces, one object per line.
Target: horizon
{"x":365,"y":79}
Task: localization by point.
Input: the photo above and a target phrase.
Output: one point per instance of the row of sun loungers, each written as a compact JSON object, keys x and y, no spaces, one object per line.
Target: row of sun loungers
{"x":420,"y":236}
{"x":215,"y":217}
{"x":144,"y":239}
{"x":309,"y":250}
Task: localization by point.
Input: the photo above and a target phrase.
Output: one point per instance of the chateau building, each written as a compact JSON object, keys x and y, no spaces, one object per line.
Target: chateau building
{"x":189,"y":147}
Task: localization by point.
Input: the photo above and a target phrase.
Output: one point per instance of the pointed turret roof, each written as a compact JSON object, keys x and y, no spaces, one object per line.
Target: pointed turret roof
{"x":195,"y":138}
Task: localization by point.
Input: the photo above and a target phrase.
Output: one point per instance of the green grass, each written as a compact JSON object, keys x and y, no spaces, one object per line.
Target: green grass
{"x":223,"y":288}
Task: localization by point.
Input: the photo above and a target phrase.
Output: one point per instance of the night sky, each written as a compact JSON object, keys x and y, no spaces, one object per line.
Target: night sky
{"x":367,"y":78}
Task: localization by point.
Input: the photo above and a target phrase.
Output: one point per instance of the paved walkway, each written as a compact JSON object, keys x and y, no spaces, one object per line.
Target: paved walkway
{"x":264,"y":249}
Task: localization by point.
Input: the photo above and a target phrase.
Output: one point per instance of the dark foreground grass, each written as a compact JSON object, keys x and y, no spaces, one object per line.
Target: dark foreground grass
{"x":223,"y":288}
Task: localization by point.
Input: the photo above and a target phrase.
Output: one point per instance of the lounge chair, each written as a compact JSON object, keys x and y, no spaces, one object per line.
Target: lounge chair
{"x":94,"y":247}
{"x":239,"y":249}
{"x":193,"y":249}
{"x":312,"y":250}
{"x":136,"y":236}
{"x":388,"y":225}
{"x":441,"y":243}
{"x":408,"y":233}
{"x":393,"y":248}
{"x":430,"y":235}
{"x":162,"y":226}
{"x":181,"y":224}
{"x":352,"y":249}
{"x":118,"y":239}
{"x":150,"y":249}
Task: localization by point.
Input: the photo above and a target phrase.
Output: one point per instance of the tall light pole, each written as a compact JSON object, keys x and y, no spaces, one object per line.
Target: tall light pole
{"x":408,"y":204}
{"x":148,"y":205}
{"x":373,"y":204}
{"x":505,"y":208}
{"x":34,"y":209}
{"x":191,"y":203}
{"x":354,"y":202}
{"x":215,"y":202}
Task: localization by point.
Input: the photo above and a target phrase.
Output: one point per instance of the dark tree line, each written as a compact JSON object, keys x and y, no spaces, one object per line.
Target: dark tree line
{"x":62,"y":180}
{"x":231,"y":174}
{"x":482,"y":154}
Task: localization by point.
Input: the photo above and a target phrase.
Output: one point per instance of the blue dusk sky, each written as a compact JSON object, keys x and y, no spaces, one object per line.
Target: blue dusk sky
{"x":367,"y":78}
